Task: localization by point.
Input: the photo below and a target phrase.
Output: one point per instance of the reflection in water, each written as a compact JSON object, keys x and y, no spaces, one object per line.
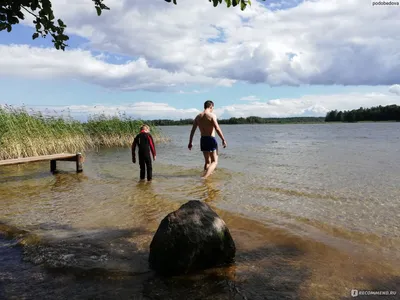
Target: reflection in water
{"x":23,"y":177}
{"x":63,"y":181}
{"x":323,"y":228}
{"x":212,"y":192}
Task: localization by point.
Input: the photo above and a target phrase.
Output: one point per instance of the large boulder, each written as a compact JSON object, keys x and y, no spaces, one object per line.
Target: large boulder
{"x":191,"y":238}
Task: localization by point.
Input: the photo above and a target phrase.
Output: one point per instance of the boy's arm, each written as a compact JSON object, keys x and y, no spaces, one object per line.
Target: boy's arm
{"x":218,"y":130}
{"x":133,"y":150}
{"x":194,"y":127}
{"x":152,"y":147}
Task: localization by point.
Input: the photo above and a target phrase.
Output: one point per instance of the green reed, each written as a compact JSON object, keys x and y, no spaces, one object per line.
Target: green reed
{"x":24,"y":134}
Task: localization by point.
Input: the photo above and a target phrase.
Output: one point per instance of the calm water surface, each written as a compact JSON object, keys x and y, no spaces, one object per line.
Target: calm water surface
{"x":313,"y":209}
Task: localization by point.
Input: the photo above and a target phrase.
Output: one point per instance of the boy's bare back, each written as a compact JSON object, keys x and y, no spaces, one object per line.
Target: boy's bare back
{"x":205,"y":122}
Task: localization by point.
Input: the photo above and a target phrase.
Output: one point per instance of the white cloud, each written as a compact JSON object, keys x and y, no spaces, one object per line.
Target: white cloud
{"x":144,"y":110}
{"x":314,"y":42}
{"x":309,"y":105}
{"x":192,"y":92}
{"x":138,"y":110}
{"x":250,"y":98}
{"x":25,"y":61}
{"x":395,"y":89}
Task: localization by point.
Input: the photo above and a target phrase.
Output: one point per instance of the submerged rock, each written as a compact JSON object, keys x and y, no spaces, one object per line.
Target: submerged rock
{"x":191,"y":238}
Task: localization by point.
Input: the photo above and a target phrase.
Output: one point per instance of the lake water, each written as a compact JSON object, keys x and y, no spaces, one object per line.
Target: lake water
{"x":313,"y":209}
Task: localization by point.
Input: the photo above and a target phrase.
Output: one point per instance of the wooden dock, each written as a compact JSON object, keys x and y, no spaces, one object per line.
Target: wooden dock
{"x":78,"y":158}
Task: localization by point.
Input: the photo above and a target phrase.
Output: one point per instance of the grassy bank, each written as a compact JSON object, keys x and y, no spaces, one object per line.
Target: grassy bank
{"x":24,"y":134}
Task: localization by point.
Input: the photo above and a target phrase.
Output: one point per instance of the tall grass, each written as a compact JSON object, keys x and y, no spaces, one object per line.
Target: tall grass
{"x":25,"y":134}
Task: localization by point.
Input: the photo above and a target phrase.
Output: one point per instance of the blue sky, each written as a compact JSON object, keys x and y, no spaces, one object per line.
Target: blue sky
{"x":157,"y":60}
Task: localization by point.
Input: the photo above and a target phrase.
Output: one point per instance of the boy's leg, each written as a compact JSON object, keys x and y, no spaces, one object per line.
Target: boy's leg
{"x":214,"y":161}
{"x":207,"y":160}
{"x":149,"y":169}
{"x":142,"y":165}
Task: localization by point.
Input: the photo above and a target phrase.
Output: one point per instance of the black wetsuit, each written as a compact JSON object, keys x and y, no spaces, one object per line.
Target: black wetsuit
{"x":145,"y":143}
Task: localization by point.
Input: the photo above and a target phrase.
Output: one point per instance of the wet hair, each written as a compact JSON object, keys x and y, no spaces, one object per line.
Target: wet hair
{"x":208,"y":104}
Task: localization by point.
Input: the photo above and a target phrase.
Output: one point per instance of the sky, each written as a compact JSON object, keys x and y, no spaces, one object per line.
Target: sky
{"x":152,"y":59}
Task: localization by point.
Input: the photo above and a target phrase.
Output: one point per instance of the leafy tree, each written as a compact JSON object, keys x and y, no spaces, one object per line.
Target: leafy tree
{"x":12,"y":11}
{"x":331,"y":116}
{"x":339,"y":116}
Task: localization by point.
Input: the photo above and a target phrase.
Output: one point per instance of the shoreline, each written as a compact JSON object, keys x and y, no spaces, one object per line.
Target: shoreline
{"x":88,"y":146}
{"x":27,"y":134}
{"x":287,"y":123}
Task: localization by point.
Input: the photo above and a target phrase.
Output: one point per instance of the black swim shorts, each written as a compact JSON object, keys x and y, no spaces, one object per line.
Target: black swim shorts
{"x":208,"y":143}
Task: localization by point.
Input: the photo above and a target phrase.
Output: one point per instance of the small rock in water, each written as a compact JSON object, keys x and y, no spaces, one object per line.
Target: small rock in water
{"x":67,"y":256}
{"x":191,"y":238}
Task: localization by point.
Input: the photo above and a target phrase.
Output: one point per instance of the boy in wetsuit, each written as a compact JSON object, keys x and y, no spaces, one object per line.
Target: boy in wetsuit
{"x":145,"y":143}
{"x":208,"y":125}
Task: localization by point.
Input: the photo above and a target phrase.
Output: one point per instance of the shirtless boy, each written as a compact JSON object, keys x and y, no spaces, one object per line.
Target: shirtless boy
{"x":207,"y":123}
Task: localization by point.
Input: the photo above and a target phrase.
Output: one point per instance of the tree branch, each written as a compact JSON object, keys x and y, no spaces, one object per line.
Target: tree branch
{"x":28,"y":11}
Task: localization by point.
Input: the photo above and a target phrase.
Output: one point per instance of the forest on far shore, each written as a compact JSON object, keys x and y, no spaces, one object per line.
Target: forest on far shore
{"x":248,"y":120}
{"x":373,"y":114}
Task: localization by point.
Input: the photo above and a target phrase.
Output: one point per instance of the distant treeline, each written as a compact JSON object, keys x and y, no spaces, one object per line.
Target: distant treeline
{"x":248,"y":120}
{"x":378,"y":113}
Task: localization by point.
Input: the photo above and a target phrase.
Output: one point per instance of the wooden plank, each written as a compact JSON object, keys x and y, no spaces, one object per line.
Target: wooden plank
{"x":61,"y":156}
{"x":72,"y":158}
